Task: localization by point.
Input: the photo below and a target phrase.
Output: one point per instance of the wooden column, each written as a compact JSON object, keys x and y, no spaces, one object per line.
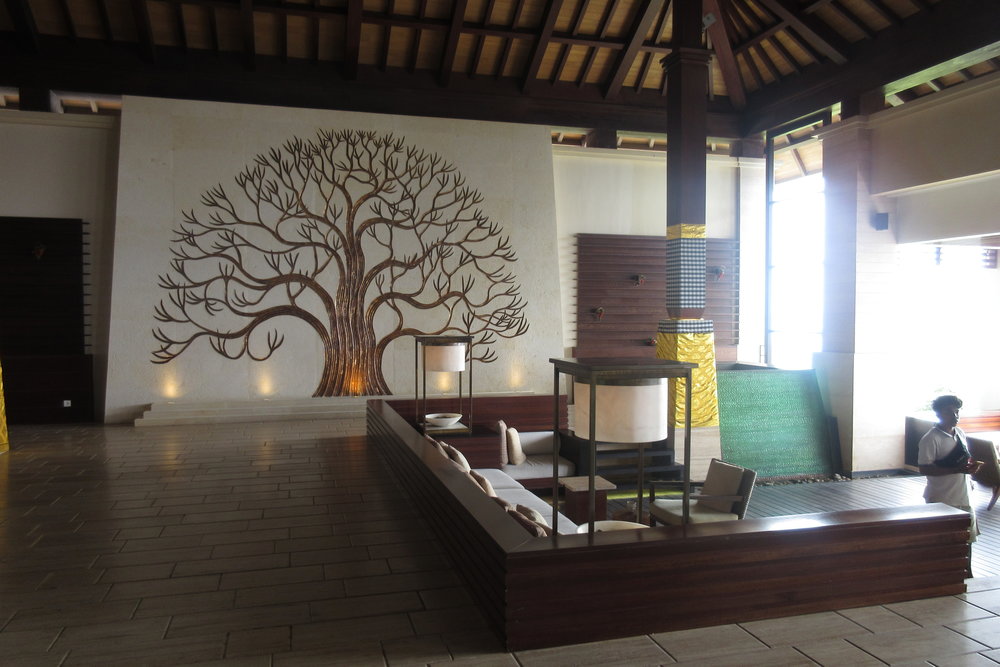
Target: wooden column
{"x":4,"y":440}
{"x":685,"y":335}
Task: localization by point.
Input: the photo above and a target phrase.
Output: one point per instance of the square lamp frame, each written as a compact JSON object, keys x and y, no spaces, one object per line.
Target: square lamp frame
{"x":614,"y":371}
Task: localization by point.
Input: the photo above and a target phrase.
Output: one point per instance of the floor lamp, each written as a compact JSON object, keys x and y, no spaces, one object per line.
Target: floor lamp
{"x":442,"y":354}
{"x":626,"y":400}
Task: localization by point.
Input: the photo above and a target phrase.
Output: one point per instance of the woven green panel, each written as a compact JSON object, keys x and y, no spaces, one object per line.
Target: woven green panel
{"x":773,"y":422}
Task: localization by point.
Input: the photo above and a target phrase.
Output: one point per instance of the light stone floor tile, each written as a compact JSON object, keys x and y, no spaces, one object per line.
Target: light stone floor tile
{"x":786,"y":631}
{"x":837,"y":653}
{"x":936,"y":611}
{"x":710,"y":642}
{"x":966,"y":660}
{"x":985,"y":599}
{"x":140,"y":547}
{"x":927,"y":643}
{"x":783,"y":656}
{"x":632,"y":651}
{"x":878,"y":619}
{"x":983,"y":630}
{"x":411,"y":651}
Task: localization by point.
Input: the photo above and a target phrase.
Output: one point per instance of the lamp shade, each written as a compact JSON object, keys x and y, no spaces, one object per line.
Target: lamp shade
{"x":447,"y":357}
{"x":627,"y":411}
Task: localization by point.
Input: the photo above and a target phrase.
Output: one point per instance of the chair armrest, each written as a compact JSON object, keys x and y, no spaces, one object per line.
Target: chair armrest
{"x":732,"y":499}
{"x":668,"y":484}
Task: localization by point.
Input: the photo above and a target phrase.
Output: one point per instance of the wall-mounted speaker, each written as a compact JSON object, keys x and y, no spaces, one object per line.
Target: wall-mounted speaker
{"x":880,"y":221}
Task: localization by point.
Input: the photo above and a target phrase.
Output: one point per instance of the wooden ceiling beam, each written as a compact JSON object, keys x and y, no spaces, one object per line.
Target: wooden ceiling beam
{"x":24,"y":24}
{"x":721,"y":31}
{"x":114,"y":69}
{"x":954,"y":34}
{"x":451,"y":42}
{"x":542,"y":38}
{"x":248,"y":33}
{"x":102,"y":7}
{"x":814,"y":31}
{"x":352,"y":38}
{"x":144,"y":30}
{"x":641,"y":24}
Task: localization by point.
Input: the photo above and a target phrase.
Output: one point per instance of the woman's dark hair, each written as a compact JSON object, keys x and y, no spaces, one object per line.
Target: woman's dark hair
{"x":945,"y":401}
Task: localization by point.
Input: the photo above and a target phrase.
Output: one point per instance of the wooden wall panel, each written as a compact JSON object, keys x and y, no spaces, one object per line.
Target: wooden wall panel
{"x":607,"y":277}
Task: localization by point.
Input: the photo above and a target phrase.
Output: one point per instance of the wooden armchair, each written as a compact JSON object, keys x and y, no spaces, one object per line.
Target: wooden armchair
{"x":724,"y":496}
{"x":988,"y":475}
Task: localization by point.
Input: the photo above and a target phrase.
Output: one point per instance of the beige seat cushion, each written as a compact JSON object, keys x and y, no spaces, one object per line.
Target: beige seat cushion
{"x":723,"y":479}
{"x":671,"y":511}
{"x":514,"y":452}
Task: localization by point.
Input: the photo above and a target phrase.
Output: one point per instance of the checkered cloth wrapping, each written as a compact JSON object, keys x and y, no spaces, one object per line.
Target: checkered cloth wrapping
{"x":685,"y":327}
{"x":686,"y":273}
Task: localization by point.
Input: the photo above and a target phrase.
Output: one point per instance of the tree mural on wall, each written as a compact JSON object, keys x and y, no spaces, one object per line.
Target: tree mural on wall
{"x":355,"y":234}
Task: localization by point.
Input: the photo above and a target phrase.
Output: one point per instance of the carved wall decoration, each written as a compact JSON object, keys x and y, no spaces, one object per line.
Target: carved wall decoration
{"x":362,"y":237}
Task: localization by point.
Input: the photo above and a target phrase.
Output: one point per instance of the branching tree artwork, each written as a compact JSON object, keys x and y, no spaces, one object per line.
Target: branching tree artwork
{"x":359,"y":236}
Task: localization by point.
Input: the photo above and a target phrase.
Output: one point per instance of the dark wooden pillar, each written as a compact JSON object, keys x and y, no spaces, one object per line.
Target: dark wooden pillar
{"x":34,"y":99}
{"x":685,"y":336}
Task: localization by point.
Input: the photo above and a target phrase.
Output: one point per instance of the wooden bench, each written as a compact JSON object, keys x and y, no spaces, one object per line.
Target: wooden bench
{"x":538,"y":592}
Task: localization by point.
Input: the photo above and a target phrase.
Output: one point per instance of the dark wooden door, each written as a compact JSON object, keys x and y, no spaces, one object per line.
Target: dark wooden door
{"x":47,"y":374}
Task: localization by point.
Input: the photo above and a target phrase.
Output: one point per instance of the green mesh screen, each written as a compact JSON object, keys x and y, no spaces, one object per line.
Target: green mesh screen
{"x":773,"y":422}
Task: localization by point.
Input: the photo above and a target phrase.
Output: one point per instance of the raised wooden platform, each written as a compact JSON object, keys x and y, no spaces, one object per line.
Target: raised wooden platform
{"x":540,"y":592}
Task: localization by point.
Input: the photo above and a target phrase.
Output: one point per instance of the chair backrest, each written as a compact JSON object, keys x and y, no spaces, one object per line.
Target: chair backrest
{"x":726,"y":479}
{"x":985,"y":451}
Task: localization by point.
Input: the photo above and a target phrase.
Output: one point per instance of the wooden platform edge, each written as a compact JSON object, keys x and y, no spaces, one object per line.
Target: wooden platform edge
{"x":540,"y":592}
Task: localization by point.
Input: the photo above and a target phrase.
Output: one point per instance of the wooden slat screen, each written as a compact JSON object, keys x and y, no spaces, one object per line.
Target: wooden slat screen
{"x":607,"y":270}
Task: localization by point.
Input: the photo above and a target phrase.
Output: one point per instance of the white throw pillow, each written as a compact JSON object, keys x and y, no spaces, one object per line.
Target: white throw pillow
{"x":502,"y":430}
{"x":458,"y":457}
{"x":514,"y":451}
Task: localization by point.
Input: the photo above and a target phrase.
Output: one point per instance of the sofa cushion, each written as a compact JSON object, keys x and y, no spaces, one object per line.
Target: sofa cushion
{"x":537,"y":467}
{"x":483,"y":483}
{"x":535,"y":529}
{"x":536,"y":442}
{"x":528,"y":499}
{"x":502,"y":430}
{"x":499,"y":479}
{"x":514,"y":452}
{"x":457,"y":457}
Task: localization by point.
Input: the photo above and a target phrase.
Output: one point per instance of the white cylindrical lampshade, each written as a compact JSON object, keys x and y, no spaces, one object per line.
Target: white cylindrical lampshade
{"x":445,"y":358}
{"x":625,"y":412}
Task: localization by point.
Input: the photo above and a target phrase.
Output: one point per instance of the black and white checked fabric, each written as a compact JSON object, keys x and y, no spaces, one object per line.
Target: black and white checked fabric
{"x":686,"y":273}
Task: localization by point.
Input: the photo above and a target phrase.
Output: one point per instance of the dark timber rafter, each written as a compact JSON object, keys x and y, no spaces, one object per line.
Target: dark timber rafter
{"x":24,"y":23}
{"x":640,"y":26}
{"x":451,"y":45}
{"x":720,"y":31}
{"x":541,"y":44}
{"x":817,"y":34}
{"x":352,"y":38}
{"x":249,"y":34}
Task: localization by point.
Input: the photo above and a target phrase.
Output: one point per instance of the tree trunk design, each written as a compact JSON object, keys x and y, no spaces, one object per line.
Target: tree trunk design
{"x":352,"y":233}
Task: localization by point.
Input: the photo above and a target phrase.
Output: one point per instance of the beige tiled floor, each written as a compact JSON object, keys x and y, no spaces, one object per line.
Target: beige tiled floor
{"x":287,"y":543}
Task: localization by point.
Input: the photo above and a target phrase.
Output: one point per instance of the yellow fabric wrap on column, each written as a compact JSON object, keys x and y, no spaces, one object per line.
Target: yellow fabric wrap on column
{"x":700,"y":349}
{"x":686,"y":231}
{"x":4,"y":441}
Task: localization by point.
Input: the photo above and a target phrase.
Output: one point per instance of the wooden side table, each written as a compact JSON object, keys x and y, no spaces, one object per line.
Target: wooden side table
{"x":578,"y":496}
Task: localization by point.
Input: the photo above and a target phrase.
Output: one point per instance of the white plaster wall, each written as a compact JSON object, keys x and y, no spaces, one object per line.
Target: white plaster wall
{"x":63,"y":166}
{"x":949,"y":135}
{"x":172,"y":151}
{"x":625,"y":192}
{"x":936,"y":163}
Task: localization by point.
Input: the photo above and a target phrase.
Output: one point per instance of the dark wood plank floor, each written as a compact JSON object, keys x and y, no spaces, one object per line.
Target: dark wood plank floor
{"x":807,"y":498}
{"x":879,"y":492}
